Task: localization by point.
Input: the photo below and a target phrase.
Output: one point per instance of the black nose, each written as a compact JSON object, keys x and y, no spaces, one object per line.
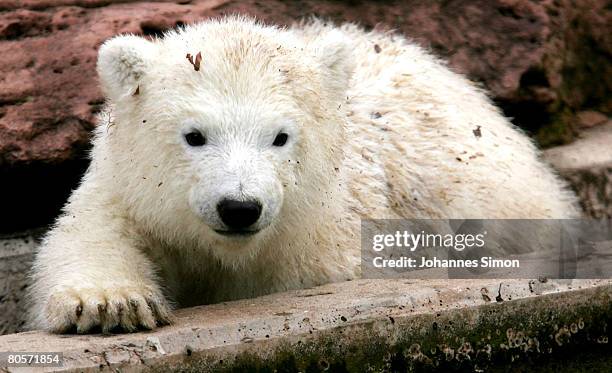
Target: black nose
{"x":238,"y":214}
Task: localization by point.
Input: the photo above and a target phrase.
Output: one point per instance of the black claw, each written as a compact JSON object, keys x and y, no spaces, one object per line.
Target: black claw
{"x":119,"y":308}
{"x":155,"y":311}
{"x":102,"y":315}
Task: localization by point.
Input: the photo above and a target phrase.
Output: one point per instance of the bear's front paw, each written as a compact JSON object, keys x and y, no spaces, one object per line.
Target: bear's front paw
{"x":107,"y":309}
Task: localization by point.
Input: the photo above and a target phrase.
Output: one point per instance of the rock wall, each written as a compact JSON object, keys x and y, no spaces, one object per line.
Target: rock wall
{"x":547,"y":63}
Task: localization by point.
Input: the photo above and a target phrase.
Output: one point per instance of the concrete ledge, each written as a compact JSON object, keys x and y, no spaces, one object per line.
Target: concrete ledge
{"x":365,"y":325}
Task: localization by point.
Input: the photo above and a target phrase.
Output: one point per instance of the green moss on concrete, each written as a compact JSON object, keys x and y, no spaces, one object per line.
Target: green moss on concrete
{"x":525,"y":333}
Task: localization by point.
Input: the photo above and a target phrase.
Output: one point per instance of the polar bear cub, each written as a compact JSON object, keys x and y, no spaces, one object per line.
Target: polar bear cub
{"x":236,"y":159}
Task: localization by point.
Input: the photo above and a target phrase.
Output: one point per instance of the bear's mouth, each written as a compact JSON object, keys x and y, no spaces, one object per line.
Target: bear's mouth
{"x":236,"y":233}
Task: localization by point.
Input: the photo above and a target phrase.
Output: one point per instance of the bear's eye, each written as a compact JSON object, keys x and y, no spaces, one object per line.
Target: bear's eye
{"x":195,"y":138}
{"x":280,"y":139}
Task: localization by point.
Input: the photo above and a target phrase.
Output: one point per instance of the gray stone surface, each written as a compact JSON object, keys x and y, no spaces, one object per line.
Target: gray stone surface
{"x":587,"y":165}
{"x":356,"y":326}
{"x":16,"y":253}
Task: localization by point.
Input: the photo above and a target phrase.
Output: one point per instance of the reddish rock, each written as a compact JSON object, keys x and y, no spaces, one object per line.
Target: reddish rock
{"x":542,"y":61}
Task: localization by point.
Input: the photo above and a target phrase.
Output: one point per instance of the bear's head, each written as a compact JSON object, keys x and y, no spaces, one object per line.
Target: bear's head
{"x":227,"y":134}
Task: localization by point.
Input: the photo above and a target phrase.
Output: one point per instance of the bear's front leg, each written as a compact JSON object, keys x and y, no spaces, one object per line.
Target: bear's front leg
{"x":90,"y":276}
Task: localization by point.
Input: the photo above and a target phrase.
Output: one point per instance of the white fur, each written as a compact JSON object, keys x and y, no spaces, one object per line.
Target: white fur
{"x":373,"y":133}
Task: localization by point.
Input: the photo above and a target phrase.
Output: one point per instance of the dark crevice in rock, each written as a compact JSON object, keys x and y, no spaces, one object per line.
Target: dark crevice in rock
{"x":150,"y":29}
{"x":509,"y":12}
{"x":33,"y":195}
{"x":534,"y":77}
{"x":528,"y":115}
{"x":155,"y":28}
{"x":24,"y":23}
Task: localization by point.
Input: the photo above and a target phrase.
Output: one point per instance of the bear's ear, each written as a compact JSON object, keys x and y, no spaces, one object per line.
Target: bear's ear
{"x":122,"y":62}
{"x":334,"y":53}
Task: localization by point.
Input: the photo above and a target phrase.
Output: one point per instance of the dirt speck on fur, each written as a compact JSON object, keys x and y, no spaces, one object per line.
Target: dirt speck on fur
{"x":196,"y":62}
